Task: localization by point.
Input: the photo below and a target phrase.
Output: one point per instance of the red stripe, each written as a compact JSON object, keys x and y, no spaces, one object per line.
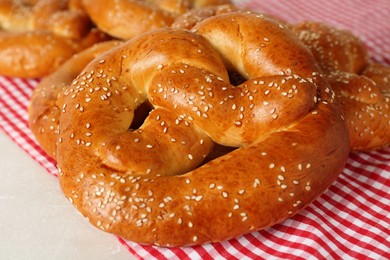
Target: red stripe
{"x":16,"y":86}
{"x":329,"y":239}
{"x":222,"y":251}
{"x":342,"y":240}
{"x":153,"y":251}
{"x":288,"y":242}
{"x":352,"y":199}
{"x":179,"y":253}
{"x":381,"y":164}
{"x":203,"y":253}
{"x":301,"y":218}
{"x":348,"y":224}
{"x":267,"y":235}
{"x":30,"y":83}
{"x":383,"y":157}
{"x":15,"y":101}
{"x":129,"y":248}
{"x":240,"y":248}
{"x":379,"y":179}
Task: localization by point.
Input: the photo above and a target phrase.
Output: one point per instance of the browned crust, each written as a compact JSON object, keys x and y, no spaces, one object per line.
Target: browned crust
{"x":362,"y":87}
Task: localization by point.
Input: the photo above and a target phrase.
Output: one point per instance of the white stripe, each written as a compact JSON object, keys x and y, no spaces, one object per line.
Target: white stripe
{"x":351,"y":246}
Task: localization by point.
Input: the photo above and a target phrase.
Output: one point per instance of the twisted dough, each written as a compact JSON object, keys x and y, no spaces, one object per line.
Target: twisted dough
{"x":46,"y":102}
{"x":362,"y":87}
{"x":127,"y":18}
{"x":143,"y":184}
{"x":37,"y":38}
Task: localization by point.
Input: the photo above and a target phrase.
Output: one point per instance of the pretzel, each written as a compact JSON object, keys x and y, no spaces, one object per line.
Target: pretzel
{"x":126,"y":18}
{"x":192,"y":17}
{"x":143,"y":184}
{"x":36,"y":39}
{"x":361,"y":87}
{"x":46,"y":102}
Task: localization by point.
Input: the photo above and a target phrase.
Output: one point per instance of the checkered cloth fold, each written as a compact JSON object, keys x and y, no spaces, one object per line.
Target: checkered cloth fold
{"x":349,"y":221}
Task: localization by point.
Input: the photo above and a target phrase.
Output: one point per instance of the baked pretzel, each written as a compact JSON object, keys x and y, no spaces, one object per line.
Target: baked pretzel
{"x":127,"y":18}
{"x":191,"y":18}
{"x":36,"y":38}
{"x":143,"y":184}
{"x":361,"y":87}
{"x":46,"y":102}
{"x":194,"y":16}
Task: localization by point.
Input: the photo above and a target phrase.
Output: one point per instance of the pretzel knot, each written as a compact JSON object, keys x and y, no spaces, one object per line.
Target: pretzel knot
{"x":143,"y":184}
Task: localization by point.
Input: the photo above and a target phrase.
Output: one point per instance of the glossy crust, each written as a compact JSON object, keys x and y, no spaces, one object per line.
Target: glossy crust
{"x":144,"y":184}
{"x":362,"y":87}
{"x":127,"y":18}
{"x":36,"y":39}
{"x":192,"y":17}
{"x":46,"y":102}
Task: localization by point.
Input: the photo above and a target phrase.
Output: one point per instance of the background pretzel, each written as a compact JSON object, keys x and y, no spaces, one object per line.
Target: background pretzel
{"x":36,"y":38}
{"x":127,"y":18}
{"x":361,"y":86}
{"x":192,"y":17}
{"x":142,"y":183}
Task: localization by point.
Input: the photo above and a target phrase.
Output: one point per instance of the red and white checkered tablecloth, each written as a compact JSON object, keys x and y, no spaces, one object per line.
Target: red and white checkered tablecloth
{"x":350,"y":221}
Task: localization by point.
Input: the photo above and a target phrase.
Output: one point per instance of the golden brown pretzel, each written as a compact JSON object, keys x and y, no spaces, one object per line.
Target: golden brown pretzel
{"x":334,"y":49}
{"x":143,"y":184}
{"x":189,"y":19}
{"x":192,"y":17}
{"x":127,"y":18}
{"x":361,"y":87}
{"x":46,"y":103}
{"x":36,"y":39}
